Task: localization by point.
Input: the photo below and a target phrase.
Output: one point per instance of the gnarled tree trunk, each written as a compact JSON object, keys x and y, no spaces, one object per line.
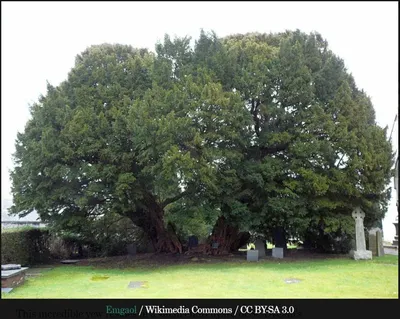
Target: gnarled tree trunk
{"x":164,"y":239}
{"x":151,"y":220}
{"x":279,"y":237}
{"x":227,"y":237}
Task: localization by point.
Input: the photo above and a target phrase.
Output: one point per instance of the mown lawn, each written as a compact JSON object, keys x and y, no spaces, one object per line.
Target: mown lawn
{"x":326,"y":278}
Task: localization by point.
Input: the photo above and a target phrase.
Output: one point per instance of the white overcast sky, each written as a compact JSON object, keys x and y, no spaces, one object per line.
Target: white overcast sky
{"x":40,"y":41}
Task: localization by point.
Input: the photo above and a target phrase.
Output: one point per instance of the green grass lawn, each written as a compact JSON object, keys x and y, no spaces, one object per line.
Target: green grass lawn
{"x":326,"y":278}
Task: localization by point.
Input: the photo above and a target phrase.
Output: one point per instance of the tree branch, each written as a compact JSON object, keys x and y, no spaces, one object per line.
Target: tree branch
{"x":173,"y":199}
{"x":273,"y":149}
{"x":254,"y":112}
{"x":340,"y":162}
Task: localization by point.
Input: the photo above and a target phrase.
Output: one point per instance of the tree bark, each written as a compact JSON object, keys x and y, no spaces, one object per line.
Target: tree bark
{"x":227,"y":237}
{"x":164,"y":239}
{"x":280,"y":239}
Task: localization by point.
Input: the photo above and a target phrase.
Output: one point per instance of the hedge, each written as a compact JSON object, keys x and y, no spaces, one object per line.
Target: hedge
{"x":25,"y":247}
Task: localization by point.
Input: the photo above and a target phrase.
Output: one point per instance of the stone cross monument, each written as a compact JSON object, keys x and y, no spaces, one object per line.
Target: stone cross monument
{"x":361,"y":251}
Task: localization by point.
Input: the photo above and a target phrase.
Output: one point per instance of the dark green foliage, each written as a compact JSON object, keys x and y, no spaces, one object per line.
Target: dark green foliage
{"x":316,"y":149}
{"x":26,"y":247}
{"x":329,"y":235}
{"x":267,"y":130}
{"x":192,"y":219}
{"x":101,"y":237}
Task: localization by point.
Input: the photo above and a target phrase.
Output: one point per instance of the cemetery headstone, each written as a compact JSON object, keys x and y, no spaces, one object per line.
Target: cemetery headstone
{"x":361,"y":251}
{"x":372,"y":242}
{"x":277,"y":252}
{"x":379,"y":243}
{"x":376,"y":242}
{"x":131,"y":248}
{"x":252,"y":255}
{"x":193,"y":241}
{"x":260,"y":246}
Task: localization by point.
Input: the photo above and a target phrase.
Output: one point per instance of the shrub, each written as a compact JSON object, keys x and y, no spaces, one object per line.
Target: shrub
{"x":25,"y":247}
{"x":101,"y":237}
{"x":329,"y":236}
{"x":58,"y":248}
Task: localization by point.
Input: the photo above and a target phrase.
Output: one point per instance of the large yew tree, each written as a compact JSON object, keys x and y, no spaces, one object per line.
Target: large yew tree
{"x":316,"y":151}
{"x":268,"y":131}
{"x":121,"y":135}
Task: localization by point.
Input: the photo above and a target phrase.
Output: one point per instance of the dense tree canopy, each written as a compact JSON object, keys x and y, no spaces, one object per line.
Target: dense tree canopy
{"x":267,"y":130}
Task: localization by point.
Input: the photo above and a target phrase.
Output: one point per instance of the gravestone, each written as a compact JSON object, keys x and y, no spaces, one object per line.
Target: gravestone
{"x":252,"y":255}
{"x":193,"y":242}
{"x":361,"y":251}
{"x":372,"y":242}
{"x":379,"y":243}
{"x":260,"y":246}
{"x":376,"y":242}
{"x":277,"y":252}
{"x":131,"y":249}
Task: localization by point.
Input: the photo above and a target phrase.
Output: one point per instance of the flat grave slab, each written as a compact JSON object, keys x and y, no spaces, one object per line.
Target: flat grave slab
{"x":10,"y":273}
{"x":10,"y":266}
{"x":6,"y":290}
{"x":292,"y":280}
{"x":13,"y":278}
{"x":69,"y":261}
{"x":138,"y":284}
